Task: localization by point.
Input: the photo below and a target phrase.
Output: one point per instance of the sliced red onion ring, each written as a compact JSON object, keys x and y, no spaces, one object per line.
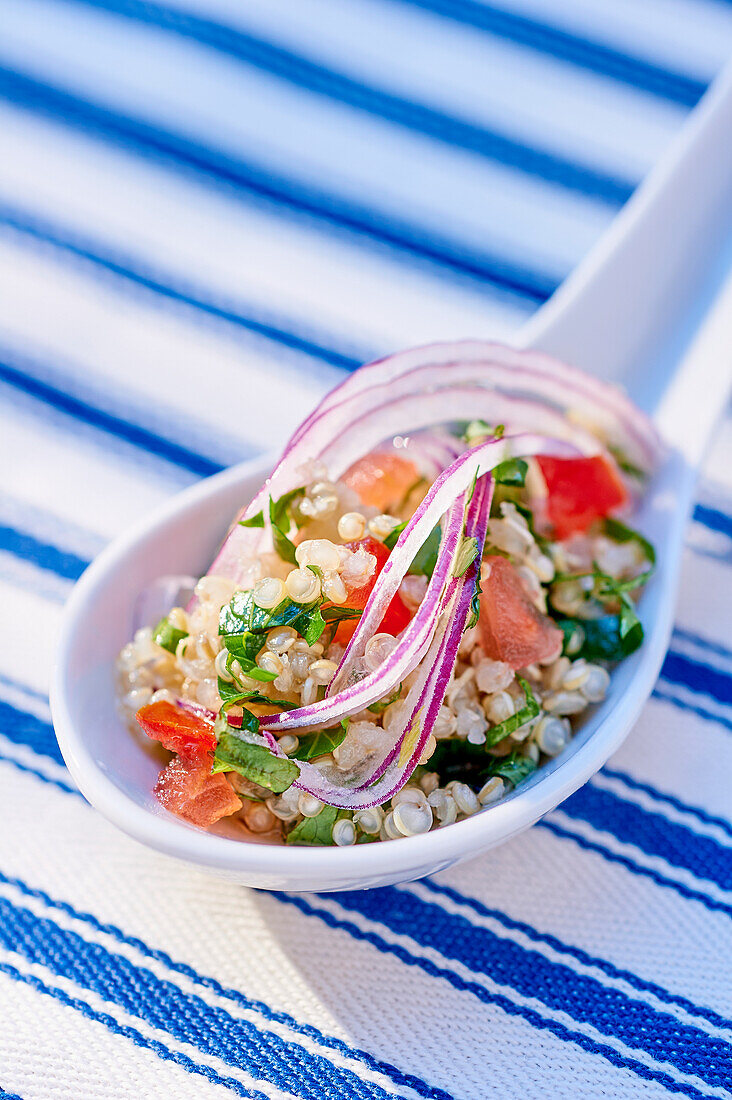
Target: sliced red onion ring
{"x":540,"y":402}
{"x":424,"y":699}
{"x":365,"y":430}
{"x":440,"y":616}
{"x":495,"y":365}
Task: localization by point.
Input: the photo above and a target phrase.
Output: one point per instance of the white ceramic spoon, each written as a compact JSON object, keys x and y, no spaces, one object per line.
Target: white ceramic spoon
{"x":623,"y":315}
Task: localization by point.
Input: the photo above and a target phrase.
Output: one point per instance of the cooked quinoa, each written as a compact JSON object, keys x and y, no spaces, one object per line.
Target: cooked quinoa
{"x":496,"y":725}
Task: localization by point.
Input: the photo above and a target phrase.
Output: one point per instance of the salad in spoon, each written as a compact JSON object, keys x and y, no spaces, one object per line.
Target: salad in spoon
{"x":414,"y":613}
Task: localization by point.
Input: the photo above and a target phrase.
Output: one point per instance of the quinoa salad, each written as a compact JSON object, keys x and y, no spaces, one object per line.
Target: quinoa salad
{"x":414,"y":615}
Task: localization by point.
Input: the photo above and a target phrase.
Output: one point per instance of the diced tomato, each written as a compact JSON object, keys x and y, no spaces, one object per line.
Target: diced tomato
{"x":178,"y":729}
{"x":187,"y":788}
{"x":382,"y":480}
{"x":397,"y":614}
{"x":510,"y":628}
{"x":580,"y":490}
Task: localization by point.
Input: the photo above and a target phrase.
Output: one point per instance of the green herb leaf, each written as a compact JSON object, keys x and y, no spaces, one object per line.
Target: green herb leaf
{"x":381,"y":704}
{"x":425,"y":560}
{"x":337,"y":614}
{"x":316,"y":830}
{"x":255,"y":762}
{"x":243,"y":625}
{"x":253,"y":521}
{"x":391,"y":539}
{"x":265,"y":701}
{"x":466,"y":555}
{"x":620,"y":532}
{"x":319,"y":743}
{"x":279,"y":510}
{"x":511,"y":472}
{"x":283,"y":545}
{"x":514,"y":768}
{"x":315,"y":627}
{"x":626,"y":465}
{"x":238,"y":647}
{"x":529,"y":710}
{"x":603,"y":638}
{"x":167,"y":635}
{"x":244,"y":647}
{"x":279,"y":514}
{"x":476,"y":431}
{"x":232,"y":695}
{"x":474,"y":604}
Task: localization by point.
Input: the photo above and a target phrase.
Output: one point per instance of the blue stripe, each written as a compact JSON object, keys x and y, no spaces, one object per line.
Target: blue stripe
{"x":680,"y":669}
{"x":700,"y":855}
{"x":577,"y":953}
{"x":22,"y":545}
{"x":599,"y":814}
{"x":184,"y":1016}
{"x":19,"y":375}
{"x":130,"y":1033}
{"x":23,"y":728}
{"x":703,"y":643}
{"x":714,"y":519}
{"x":582,"y":52}
{"x":478,"y":991}
{"x":164,"y":284}
{"x":481,"y":951}
{"x":671,"y":800}
{"x":312,"y":77}
{"x":65,"y":787}
{"x":397,"y":1076}
{"x":250,"y":181}
{"x":495,"y":999}
{"x":9,"y":1095}
{"x":701,"y":712}
{"x":557,"y":830}
{"x":707,"y":902}
{"x":655,"y":835}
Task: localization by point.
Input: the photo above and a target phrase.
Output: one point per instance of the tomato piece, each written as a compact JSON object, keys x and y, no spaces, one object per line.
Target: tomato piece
{"x":510,"y":628}
{"x":397,"y":613}
{"x":178,"y":729}
{"x":580,"y":490}
{"x":382,"y":480}
{"x":187,"y":788}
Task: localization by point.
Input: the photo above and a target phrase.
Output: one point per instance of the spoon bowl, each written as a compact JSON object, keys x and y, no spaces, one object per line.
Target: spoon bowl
{"x":614,"y":315}
{"x":117,"y":776}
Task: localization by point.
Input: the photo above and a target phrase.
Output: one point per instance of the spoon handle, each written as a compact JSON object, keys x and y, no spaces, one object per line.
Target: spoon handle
{"x":697,"y":394}
{"x":626,"y":311}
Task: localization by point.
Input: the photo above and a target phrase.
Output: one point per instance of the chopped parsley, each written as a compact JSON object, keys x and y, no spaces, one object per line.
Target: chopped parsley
{"x":254,"y":762}
{"x":468,"y":551}
{"x":167,"y":635}
{"x":425,"y":560}
{"x":316,"y":830}
{"x":602,"y":639}
{"x":381,"y":704}
{"x":280,"y":517}
{"x":620,"y":532}
{"x":514,"y":768}
{"x":477,"y":431}
{"x":511,"y":472}
{"x":529,"y":710}
{"x":320,"y":742}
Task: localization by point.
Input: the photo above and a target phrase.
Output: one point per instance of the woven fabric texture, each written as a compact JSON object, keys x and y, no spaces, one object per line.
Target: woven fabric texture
{"x":209,"y":211}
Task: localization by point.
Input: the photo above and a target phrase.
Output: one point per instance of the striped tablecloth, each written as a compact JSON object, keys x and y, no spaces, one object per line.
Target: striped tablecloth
{"x":209,"y":210}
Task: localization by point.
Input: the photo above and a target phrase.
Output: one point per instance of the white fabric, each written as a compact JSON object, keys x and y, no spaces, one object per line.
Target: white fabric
{"x":164,"y":315}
